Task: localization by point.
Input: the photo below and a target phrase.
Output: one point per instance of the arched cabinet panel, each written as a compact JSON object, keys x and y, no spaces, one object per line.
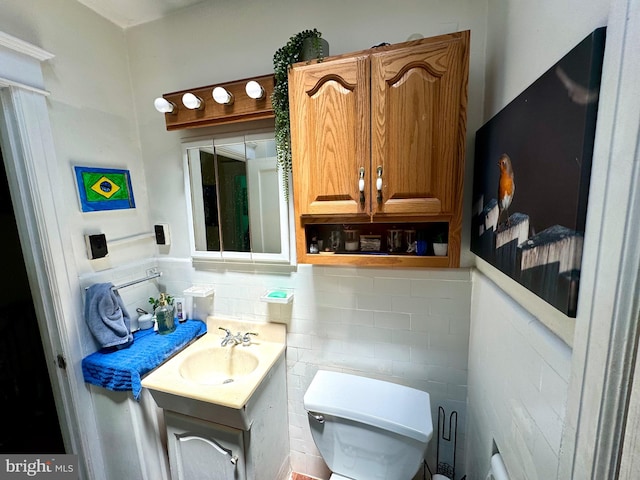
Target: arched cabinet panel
{"x":201,"y":450}
{"x":328,"y":135}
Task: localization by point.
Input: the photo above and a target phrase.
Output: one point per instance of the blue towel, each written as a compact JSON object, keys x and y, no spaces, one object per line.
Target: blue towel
{"x":122,"y":370}
{"x":106,"y":316}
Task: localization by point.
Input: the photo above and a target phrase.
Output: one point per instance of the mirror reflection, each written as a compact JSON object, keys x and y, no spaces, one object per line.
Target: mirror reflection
{"x":235,"y":199}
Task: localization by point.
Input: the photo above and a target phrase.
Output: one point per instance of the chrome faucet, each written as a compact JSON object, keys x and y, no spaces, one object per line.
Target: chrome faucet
{"x":236,"y":339}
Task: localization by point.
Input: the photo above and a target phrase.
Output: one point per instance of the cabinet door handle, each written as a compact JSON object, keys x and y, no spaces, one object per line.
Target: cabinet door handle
{"x":234,"y":460}
{"x":379,"y":183}
{"x":361,"y":186}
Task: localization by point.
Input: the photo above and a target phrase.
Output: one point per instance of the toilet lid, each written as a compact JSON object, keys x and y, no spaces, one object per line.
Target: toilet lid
{"x":396,"y":408}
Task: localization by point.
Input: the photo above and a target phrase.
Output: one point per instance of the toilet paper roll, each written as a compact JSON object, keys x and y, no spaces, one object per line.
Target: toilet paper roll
{"x":498,"y":469}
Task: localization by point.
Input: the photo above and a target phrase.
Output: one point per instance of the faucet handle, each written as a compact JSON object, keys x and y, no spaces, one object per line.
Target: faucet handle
{"x":227,"y":336}
{"x":246,"y":339}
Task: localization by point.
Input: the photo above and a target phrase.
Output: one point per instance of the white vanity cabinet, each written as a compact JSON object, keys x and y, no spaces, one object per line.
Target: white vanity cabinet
{"x":204,"y":450}
{"x":212,"y":442}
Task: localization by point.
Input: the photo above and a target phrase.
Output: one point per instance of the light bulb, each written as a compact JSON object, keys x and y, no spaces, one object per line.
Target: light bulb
{"x":254,"y":90}
{"x":222,"y":96}
{"x":191,"y":101}
{"x":163,"y":105}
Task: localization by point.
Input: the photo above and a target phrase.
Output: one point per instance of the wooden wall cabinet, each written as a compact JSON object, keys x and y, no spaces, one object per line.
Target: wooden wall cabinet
{"x":379,"y":137}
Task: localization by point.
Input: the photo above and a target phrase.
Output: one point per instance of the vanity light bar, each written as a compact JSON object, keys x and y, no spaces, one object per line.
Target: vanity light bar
{"x":237,"y":101}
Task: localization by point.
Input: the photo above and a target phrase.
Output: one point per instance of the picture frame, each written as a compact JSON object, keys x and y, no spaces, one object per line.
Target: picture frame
{"x":104,"y":188}
{"x":531,"y":177}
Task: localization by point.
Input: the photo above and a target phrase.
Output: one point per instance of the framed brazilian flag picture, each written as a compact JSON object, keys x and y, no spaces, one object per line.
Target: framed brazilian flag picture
{"x":104,"y":189}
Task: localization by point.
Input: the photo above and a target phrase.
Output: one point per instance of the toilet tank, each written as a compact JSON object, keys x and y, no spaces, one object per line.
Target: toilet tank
{"x":366,"y":428}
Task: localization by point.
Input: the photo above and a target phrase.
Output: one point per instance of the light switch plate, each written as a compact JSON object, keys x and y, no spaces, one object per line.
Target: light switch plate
{"x":96,"y":246}
{"x":163,"y":237}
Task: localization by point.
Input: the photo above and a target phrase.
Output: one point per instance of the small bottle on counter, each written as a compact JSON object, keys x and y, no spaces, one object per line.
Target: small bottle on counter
{"x":164,"y":316}
{"x":179,"y":310}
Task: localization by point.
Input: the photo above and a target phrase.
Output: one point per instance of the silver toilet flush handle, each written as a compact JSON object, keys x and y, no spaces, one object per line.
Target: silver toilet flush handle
{"x":316,"y":416}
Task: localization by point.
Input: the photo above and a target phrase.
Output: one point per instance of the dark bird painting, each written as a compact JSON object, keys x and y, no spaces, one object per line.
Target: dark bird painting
{"x":506,"y":188}
{"x":546,"y":136}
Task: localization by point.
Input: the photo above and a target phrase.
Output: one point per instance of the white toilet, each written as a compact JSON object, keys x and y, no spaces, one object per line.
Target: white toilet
{"x":368,"y":429}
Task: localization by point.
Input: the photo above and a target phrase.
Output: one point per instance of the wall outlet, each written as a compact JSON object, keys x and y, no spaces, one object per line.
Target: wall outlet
{"x":163,"y":237}
{"x":96,"y":246}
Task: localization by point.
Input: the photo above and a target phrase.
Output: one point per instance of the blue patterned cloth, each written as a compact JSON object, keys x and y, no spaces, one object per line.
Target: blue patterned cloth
{"x":121,"y":370}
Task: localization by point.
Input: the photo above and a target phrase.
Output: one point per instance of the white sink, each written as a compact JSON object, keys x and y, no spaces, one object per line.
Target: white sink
{"x":220,"y":365}
{"x":207,"y":379}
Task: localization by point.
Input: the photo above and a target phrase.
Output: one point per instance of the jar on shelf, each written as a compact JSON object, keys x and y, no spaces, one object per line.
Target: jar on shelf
{"x":351,"y":240}
{"x":394,"y":240}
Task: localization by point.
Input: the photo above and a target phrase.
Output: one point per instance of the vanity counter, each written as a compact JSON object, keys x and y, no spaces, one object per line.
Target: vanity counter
{"x":121,"y":370}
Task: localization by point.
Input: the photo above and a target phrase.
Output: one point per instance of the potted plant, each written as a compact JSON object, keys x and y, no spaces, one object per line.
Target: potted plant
{"x":305,"y":45}
{"x":440,"y":244}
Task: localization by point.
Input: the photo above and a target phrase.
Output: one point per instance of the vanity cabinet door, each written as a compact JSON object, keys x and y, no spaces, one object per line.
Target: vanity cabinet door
{"x":200,"y":450}
{"x":329,"y":112}
{"x":418,"y":123}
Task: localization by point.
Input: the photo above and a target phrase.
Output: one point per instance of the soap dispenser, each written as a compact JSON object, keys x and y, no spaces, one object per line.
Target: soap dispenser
{"x":164,"y":316}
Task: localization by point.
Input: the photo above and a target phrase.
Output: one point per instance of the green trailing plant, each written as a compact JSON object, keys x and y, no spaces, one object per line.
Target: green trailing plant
{"x":282,"y":60}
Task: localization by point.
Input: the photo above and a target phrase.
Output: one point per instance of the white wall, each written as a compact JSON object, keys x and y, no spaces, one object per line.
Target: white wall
{"x":91,"y":114}
{"x":525,"y":420}
{"x":407,"y":326}
{"x":518,"y":380}
{"x":93,"y":124}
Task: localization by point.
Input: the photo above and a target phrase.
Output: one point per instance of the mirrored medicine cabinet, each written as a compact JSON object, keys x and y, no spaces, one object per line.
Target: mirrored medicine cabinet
{"x":237,"y":209}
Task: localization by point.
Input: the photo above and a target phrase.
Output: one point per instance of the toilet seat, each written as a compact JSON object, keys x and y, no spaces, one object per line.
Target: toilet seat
{"x":335,"y":476}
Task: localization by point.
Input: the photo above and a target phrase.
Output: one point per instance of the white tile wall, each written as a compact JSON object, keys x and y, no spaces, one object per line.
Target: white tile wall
{"x":518,"y":379}
{"x":407,"y":326}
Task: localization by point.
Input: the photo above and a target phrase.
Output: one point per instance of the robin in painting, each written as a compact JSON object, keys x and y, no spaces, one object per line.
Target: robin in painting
{"x":506,"y":188}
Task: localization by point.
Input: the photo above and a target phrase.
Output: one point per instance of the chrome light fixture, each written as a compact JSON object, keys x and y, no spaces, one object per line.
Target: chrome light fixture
{"x":222,"y":96}
{"x":164,"y":106}
{"x":192,"y":102}
{"x":254,"y":90}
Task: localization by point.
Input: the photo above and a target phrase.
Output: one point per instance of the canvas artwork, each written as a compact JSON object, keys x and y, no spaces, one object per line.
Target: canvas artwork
{"x":531,"y":180}
{"x":104,"y":189}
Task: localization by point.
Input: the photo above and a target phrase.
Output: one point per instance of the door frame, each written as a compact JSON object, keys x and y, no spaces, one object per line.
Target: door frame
{"x":606,"y":341}
{"x":32,"y":174}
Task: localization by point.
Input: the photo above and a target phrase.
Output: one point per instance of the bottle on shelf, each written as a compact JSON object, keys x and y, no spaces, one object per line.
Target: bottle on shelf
{"x":164,"y":316}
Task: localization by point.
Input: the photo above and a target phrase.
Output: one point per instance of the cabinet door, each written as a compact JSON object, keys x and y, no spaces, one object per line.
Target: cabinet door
{"x":418,"y":123}
{"x":329,"y":112}
{"x":200,"y":450}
